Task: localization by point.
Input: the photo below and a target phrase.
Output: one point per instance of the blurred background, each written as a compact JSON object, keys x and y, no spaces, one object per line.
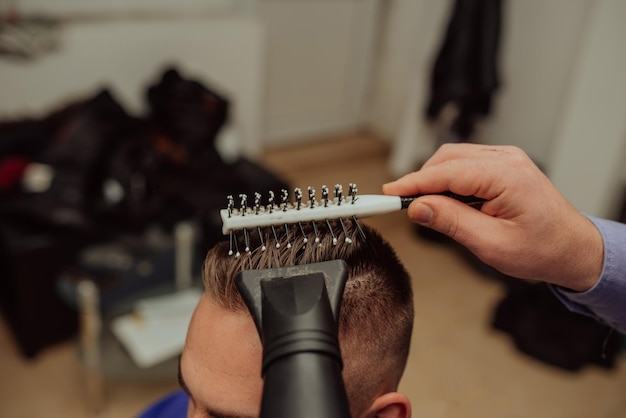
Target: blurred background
{"x":124,"y":125}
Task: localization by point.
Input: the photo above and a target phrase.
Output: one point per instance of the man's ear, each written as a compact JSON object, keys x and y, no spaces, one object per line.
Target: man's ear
{"x":390,"y":405}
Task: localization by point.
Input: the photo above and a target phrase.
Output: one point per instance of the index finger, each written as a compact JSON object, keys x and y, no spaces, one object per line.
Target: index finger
{"x":467,"y":177}
{"x":469,"y":151}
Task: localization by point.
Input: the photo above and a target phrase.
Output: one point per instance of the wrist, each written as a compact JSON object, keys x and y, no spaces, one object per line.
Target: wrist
{"x":588,"y":259}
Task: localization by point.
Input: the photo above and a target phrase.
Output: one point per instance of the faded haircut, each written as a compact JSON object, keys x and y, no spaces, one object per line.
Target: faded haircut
{"x":376,"y":316}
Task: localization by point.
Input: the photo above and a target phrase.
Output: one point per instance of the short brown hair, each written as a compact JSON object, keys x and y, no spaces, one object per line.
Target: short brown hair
{"x":376,"y":316}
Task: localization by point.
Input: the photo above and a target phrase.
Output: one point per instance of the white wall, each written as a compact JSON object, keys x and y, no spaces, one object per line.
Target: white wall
{"x":409,"y":37}
{"x":540,"y":45}
{"x":126,"y":56}
{"x":545,"y":47}
{"x":588,"y":160}
{"x":80,"y":7}
{"x":318,"y":66}
{"x":316,"y":56}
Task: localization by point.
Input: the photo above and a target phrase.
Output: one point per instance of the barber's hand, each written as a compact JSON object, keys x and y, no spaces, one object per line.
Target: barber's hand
{"x":525,"y":229}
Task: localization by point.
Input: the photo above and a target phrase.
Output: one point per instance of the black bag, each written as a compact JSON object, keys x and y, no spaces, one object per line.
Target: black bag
{"x":545,"y":329}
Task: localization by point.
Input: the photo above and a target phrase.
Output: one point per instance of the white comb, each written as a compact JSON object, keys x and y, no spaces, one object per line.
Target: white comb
{"x":247,"y":217}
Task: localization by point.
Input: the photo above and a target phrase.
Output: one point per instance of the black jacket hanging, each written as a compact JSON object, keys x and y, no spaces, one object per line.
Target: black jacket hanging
{"x":465,"y":71}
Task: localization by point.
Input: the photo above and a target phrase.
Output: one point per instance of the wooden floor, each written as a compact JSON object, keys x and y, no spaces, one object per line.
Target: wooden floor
{"x":458,"y":367}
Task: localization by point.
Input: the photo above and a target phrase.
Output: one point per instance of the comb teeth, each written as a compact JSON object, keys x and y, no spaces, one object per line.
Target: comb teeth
{"x":243,"y":218}
{"x":295,"y":237}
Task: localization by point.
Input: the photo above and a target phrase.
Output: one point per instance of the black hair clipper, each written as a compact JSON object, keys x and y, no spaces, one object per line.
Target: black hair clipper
{"x":296,"y":311}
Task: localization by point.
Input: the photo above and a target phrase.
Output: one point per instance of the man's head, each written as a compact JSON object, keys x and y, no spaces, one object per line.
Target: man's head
{"x":221,"y":362}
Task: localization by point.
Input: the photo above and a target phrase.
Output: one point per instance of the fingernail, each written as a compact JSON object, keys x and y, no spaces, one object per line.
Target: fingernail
{"x":422,"y":214}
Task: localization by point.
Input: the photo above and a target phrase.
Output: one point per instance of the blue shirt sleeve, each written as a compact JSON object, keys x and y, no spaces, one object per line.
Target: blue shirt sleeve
{"x":607,"y":299}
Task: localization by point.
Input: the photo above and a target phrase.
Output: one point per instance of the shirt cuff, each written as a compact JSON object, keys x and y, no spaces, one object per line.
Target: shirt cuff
{"x":606,"y":300}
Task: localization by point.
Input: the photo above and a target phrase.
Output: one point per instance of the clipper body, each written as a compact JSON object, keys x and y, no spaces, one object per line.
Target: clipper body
{"x":296,"y":310}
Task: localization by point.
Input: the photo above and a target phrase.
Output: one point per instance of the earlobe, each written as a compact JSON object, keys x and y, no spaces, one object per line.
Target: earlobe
{"x":390,"y":405}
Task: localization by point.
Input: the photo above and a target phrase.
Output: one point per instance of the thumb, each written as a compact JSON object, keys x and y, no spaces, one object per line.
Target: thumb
{"x":457,"y":220}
